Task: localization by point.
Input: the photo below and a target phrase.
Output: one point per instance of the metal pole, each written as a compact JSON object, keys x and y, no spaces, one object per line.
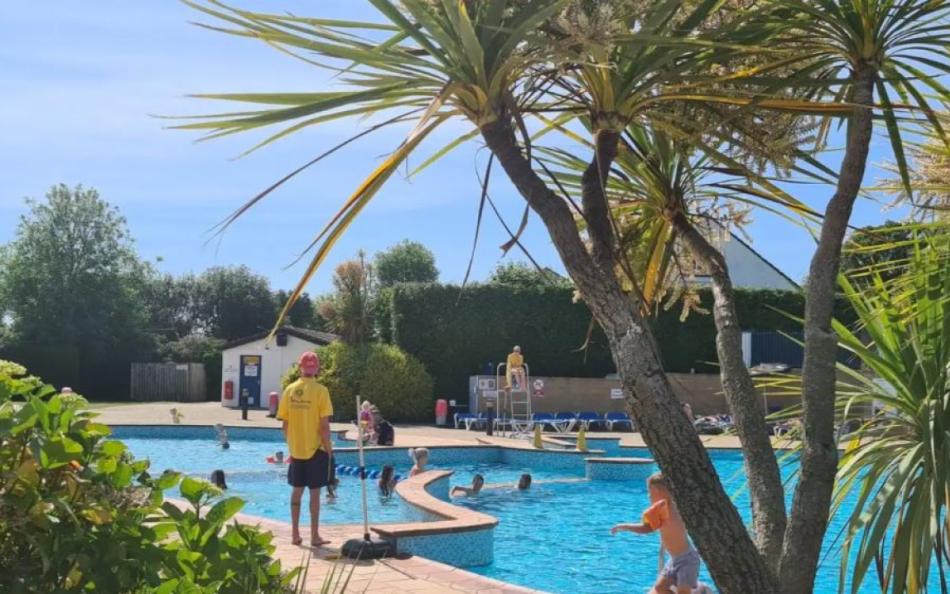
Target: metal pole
{"x":359,"y":435}
{"x":244,"y":397}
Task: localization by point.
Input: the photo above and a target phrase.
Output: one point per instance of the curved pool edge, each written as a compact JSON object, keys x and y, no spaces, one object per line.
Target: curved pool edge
{"x":446,"y":533}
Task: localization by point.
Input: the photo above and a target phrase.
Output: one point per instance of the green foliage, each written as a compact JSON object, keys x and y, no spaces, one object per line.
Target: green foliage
{"x":78,"y":513}
{"x":456,"y":337}
{"x":71,"y":284}
{"x":519,"y":274}
{"x":349,"y":311}
{"x":302,"y":314}
{"x":883,"y":250}
{"x":405,"y":262}
{"x":198,"y":348}
{"x":394,"y":381}
{"x":898,"y":462}
{"x":233,"y":302}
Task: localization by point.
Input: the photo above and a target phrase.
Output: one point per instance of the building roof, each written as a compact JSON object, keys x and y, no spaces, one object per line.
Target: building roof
{"x":314,"y":336}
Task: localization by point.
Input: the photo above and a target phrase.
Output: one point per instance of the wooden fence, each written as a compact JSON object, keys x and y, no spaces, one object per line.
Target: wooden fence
{"x":178,"y":382}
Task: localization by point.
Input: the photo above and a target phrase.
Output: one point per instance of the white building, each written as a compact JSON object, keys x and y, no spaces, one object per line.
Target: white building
{"x":748,"y":269}
{"x":250,"y":364}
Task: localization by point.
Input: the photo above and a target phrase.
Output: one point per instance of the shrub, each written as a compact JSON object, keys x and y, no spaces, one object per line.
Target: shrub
{"x":394,"y":381}
{"x":78,"y":513}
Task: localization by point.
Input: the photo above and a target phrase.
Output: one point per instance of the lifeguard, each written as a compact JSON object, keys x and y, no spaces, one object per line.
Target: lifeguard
{"x":514,"y":369}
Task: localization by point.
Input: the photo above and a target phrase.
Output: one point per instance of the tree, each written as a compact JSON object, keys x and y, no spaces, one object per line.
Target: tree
{"x":349,"y":310}
{"x":519,"y":274}
{"x":301,"y":314}
{"x":703,"y":74}
{"x":405,"y":262}
{"x":72,"y":285}
{"x":233,"y":302}
{"x":172,"y":305}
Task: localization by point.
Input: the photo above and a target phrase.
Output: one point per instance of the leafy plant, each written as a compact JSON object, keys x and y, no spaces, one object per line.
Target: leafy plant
{"x":897,"y":465}
{"x":393,"y":380}
{"x":78,"y":513}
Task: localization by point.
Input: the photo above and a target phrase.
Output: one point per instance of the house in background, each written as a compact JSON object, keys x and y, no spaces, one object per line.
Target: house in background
{"x":748,"y":269}
{"x":252,"y":364}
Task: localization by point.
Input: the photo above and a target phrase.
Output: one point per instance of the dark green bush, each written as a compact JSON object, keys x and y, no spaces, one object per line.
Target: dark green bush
{"x":395,"y":382}
{"x":78,"y":513}
{"x":455,"y":337}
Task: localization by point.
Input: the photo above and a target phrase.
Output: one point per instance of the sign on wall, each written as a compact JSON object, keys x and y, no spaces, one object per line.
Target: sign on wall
{"x":538,"y":386}
{"x":616,"y":393}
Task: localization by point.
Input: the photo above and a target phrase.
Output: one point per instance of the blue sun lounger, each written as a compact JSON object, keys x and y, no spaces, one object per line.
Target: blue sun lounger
{"x":470,"y":420}
{"x":618,"y":418}
{"x":545,"y":418}
{"x":588,"y":419}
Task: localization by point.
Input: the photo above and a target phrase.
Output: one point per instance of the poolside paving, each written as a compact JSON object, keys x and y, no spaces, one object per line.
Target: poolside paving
{"x":402,"y":575}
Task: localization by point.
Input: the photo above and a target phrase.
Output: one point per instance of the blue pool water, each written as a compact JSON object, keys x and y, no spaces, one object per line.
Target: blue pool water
{"x":553,"y":537}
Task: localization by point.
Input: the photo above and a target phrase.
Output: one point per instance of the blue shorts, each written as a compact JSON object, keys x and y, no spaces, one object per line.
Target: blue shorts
{"x":683,"y":569}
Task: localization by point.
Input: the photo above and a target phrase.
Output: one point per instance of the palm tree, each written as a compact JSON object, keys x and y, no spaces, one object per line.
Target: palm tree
{"x":497,"y":64}
{"x":893,"y":477}
{"x":669,"y":199}
{"x":493,"y":65}
{"x":898,"y":464}
{"x":870,"y":52}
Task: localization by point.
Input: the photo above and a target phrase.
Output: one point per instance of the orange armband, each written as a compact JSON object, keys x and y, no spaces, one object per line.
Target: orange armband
{"x":656,"y":515}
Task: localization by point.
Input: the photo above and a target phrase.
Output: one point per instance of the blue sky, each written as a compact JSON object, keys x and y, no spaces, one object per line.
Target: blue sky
{"x":81,"y":80}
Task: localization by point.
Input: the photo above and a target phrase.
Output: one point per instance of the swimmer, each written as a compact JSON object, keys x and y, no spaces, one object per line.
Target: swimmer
{"x":387,"y":481}
{"x":331,"y":489}
{"x":524,"y":482}
{"x":420,"y":457}
{"x":682,"y":570}
{"x":225,"y":445}
{"x":217,"y":479}
{"x":478,"y":481}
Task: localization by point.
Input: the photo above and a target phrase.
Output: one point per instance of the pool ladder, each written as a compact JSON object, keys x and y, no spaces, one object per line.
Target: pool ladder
{"x":519,"y":420}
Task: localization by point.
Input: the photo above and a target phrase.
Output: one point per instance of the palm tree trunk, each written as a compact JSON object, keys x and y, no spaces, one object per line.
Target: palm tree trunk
{"x":819,"y":462}
{"x":715,"y":525}
{"x":762,"y":472}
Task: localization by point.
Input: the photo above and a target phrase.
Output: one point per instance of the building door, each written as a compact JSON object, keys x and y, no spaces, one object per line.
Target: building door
{"x":251,"y":380}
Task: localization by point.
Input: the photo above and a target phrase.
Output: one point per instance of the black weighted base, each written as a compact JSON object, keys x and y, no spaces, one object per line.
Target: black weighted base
{"x":362,"y":548}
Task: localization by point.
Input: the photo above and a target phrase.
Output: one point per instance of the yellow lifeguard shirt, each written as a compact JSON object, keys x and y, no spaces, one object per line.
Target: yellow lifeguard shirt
{"x":515,"y":360}
{"x":304,"y":403}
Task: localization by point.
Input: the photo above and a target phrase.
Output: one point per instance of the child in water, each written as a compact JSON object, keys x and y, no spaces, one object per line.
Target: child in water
{"x":682,"y":570}
{"x":387,"y":481}
{"x":478,"y":481}
{"x":420,"y":457}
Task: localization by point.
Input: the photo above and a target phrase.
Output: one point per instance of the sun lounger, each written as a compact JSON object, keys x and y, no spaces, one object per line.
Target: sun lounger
{"x":470,"y":420}
{"x":588,"y":419}
{"x":567,"y":416}
{"x":618,"y":418}
{"x":559,"y":425}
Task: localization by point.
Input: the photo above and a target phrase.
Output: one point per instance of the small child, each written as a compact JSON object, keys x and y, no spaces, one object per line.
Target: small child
{"x":524,"y":482}
{"x":478,"y":481}
{"x":420,"y":456}
{"x":367,"y":421}
{"x":682,"y":570}
{"x":387,"y":480}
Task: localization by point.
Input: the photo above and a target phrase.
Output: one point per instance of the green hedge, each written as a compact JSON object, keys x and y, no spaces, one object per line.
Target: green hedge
{"x":455,"y":336}
{"x":397,"y":383}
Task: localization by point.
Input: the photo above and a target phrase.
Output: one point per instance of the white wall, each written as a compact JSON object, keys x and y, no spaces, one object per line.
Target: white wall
{"x":275,"y":360}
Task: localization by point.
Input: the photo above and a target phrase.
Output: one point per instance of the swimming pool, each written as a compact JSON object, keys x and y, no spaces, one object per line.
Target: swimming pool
{"x":553,"y":537}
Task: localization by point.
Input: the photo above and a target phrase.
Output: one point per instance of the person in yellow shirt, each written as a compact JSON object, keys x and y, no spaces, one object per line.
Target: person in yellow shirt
{"x":514,"y":369}
{"x":305,"y":410}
